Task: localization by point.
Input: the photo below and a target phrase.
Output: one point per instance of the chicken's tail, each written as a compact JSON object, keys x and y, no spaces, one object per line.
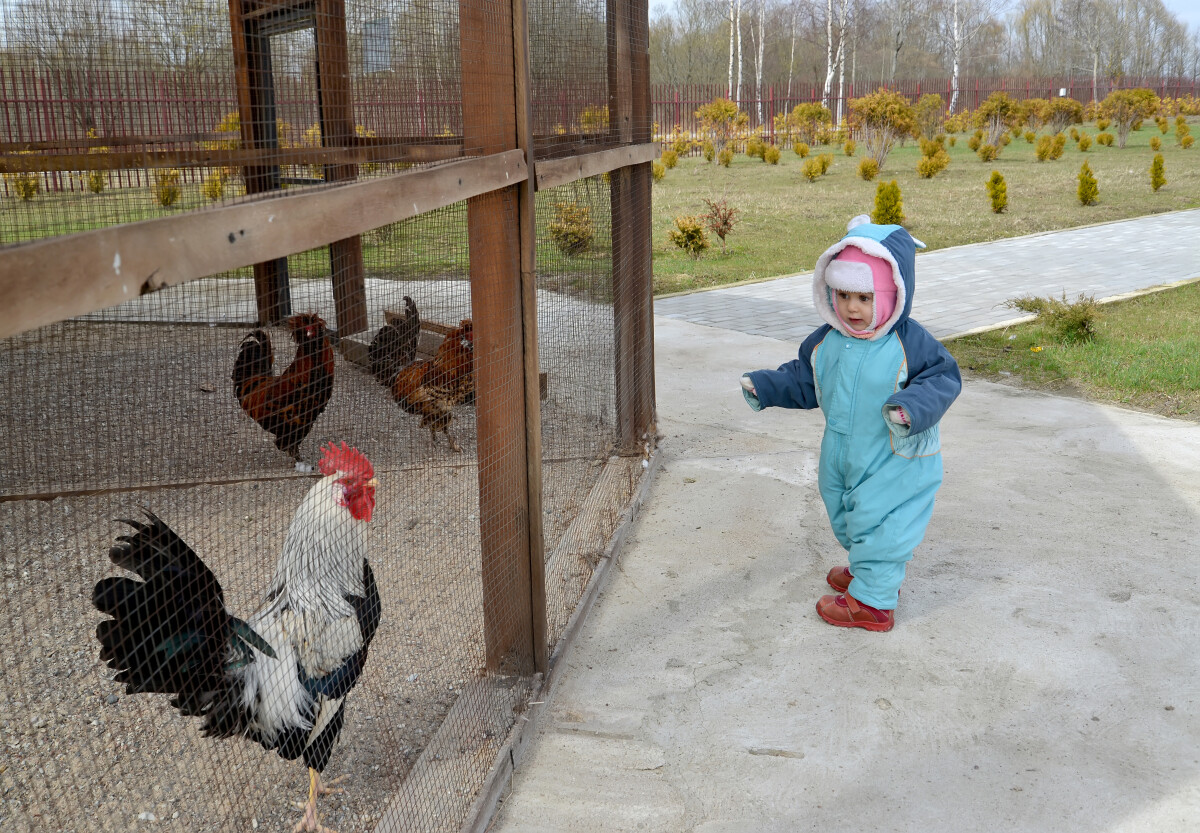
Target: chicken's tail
{"x":170,"y":632}
{"x":255,"y":359}
{"x":395,"y":345}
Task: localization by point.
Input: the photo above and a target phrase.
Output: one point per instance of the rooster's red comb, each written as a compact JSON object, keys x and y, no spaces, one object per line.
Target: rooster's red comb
{"x":345,"y":459}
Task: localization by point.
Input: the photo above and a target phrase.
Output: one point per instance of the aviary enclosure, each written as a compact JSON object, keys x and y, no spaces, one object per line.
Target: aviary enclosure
{"x":234,"y":237}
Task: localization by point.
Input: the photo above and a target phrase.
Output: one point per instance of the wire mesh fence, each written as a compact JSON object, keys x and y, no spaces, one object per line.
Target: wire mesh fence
{"x":301,"y":492}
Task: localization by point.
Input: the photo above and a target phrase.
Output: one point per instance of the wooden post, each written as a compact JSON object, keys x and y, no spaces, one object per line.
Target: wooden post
{"x":633,"y":302}
{"x":256,"y":112}
{"x":337,"y":130}
{"x":490,"y":126}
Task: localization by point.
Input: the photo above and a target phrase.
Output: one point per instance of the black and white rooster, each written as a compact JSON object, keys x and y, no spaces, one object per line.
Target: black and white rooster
{"x":281,"y":677}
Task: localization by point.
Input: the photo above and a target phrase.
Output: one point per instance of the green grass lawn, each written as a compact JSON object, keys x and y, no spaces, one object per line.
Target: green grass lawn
{"x":785,"y":221}
{"x":1146,"y":355}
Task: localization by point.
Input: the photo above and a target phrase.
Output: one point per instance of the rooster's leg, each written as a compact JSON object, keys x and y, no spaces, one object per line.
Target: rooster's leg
{"x":454,"y":446}
{"x":309,"y":823}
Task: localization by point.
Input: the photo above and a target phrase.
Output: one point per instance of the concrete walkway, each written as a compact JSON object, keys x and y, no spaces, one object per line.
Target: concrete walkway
{"x":1043,"y":673}
{"x":965,"y":287}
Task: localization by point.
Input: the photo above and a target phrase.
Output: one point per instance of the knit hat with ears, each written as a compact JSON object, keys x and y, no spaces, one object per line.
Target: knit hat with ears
{"x":870,"y":258}
{"x":853,"y":270}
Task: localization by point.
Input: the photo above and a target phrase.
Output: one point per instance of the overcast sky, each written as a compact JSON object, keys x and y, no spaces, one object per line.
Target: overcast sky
{"x":1186,"y":10}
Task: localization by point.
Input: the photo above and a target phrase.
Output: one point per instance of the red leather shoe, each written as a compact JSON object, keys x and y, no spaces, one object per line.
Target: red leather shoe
{"x":839,"y":578}
{"x":845,"y":611}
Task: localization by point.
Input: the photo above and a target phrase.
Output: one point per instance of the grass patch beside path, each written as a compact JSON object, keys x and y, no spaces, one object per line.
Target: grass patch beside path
{"x":785,"y":221}
{"x":1146,"y":355}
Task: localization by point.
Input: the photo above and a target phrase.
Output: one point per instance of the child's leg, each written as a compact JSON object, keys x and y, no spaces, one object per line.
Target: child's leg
{"x":832,"y":484}
{"x":886,"y":516}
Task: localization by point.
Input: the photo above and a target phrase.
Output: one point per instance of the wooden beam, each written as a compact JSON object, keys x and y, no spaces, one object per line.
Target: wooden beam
{"x":552,"y":173}
{"x":490,"y":126}
{"x":61,"y":277}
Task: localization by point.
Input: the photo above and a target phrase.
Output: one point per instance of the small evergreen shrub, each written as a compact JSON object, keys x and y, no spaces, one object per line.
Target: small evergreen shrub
{"x":1187,"y":141}
{"x":657,"y":171}
{"x":719,"y":219}
{"x":1181,"y":130}
{"x":812,"y":169}
{"x":930,"y":166}
{"x":708,"y":150}
{"x":998,"y":191}
{"x":1155,"y":143}
{"x":1045,"y":146}
{"x":1102,"y":124}
{"x":1030,"y":136}
{"x":1074,"y":134}
{"x":166,"y":186}
{"x":801,"y":149}
{"x":213,"y":186}
{"x":953,"y":141}
{"x":849,"y":147}
{"x":572,"y":230}
{"x":1057,"y":147}
{"x":96,"y":180}
{"x":754,"y":147}
{"x":1005,"y":140}
{"x":681,"y":146}
{"x":825,"y":159}
{"x":725,"y":157}
{"x":25,"y":184}
{"x":1163,"y":124}
{"x":689,"y":235}
{"x":771,"y":155}
{"x":929,"y":147}
{"x":889,"y":204}
{"x":1085,"y":142}
{"x":1089,"y":190}
{"x":669,"y":159}
{"x":987,"y":153}
{"x":868,"y":168}
{"x":1157,"y":174}
{"x":974,"y":142}
{"x":1106,"y":139}
{"x":1069,"y":321}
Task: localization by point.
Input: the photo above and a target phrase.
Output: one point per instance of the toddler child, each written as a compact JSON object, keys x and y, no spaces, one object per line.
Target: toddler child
{"x":883,"y":383}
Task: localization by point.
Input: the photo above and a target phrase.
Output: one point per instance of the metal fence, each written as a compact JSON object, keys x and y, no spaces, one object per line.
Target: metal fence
{"x":418,"y":230}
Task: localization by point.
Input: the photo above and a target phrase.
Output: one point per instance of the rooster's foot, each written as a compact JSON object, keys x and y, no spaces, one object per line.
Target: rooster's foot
{"x":303,"y":467}
{"x":454,"y":446}
{"x":309,"y":823}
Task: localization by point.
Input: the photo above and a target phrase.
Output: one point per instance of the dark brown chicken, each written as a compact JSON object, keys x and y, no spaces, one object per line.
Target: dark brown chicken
{"x":286,"y":405}
{"x":431,"y":388}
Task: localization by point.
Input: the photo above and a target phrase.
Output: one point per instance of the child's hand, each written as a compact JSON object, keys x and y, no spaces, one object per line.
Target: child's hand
{"x":896,"y":414}
{"x":750,"y":393}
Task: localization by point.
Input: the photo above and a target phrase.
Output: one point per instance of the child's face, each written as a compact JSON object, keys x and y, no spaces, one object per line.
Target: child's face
{"x":856,"y":308}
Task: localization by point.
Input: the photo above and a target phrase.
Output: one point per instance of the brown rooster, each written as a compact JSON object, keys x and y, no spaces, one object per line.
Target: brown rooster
{"x":430,"y":389}
{"x":286,"y":405}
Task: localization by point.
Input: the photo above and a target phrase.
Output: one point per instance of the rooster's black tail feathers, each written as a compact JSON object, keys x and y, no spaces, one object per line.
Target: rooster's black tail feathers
{"x":395,"y":345}
{"x":255,"y":359}
{"x":170,"y":632}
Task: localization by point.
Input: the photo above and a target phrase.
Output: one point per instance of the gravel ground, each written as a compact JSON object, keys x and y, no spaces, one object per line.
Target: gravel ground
{"x":116,"y":417}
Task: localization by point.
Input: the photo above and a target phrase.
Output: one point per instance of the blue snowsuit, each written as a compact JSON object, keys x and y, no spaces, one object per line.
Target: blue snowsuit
{"x":876,"y":477}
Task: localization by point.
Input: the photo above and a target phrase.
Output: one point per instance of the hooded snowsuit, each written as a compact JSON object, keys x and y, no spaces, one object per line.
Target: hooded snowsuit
{"x":877,"y":478}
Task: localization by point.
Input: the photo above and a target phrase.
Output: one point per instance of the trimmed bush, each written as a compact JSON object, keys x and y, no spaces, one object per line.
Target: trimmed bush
{"x":1058,"y":146}
{"x":881,"y":119}
{"x":708,"y":150}
{"x":998,"y":192}
{"x":975,"y":142}
{"x":657,"y":171}
{"x":754,"y":147}
{"x":801,"y":149}
{"x":889,"y":204}
{"x":927,"y":115}
{"x":868,"y":168}
{"x":1085,"y":142}
{"x":1102,"y":124}
{"x":812,"y":169}
{"x":669,"y":159}
{"x":825,"y":160}
{"x":1089,"y":190}
{"x":571,"y":229}
{"x":213,"y":186}
{"x":1030,"y":136}
{"x":930,"y":166}
{"x":1155,"y":143}
{"x":1127,"y":108}
{"x":771,"y":155}
{"x":849,"y":147}
{"x":1157,"y":175}
{"x":1070,"y":321}
{"x":1181,"y":130}
{"x":167,"y":190}
{"x":1045,"y":146}
{"x":1187,"y":142}
{"x":953,"y":141}
{"x":987,"y":153}
{"x":1106,"y":139}
{"x":689,"y":235}
{"x":1074,"y":134}
{"x":725,"y":157}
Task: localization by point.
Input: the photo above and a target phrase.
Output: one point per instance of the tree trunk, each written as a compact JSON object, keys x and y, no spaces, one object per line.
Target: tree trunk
{"x":731,"y":24}
{"x":758,"y":67}
{"x":828,"y":52}
{"x":955,"y":49}
{"x":738,"y":88}
{"x":792,"y":57}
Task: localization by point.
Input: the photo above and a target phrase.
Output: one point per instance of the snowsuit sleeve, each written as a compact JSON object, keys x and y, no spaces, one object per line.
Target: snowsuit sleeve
{"x":933,"y":383}
{"x":791,"y":386}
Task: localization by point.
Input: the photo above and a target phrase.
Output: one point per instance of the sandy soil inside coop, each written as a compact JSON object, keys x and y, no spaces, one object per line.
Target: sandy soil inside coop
{"x":81,"y":754}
